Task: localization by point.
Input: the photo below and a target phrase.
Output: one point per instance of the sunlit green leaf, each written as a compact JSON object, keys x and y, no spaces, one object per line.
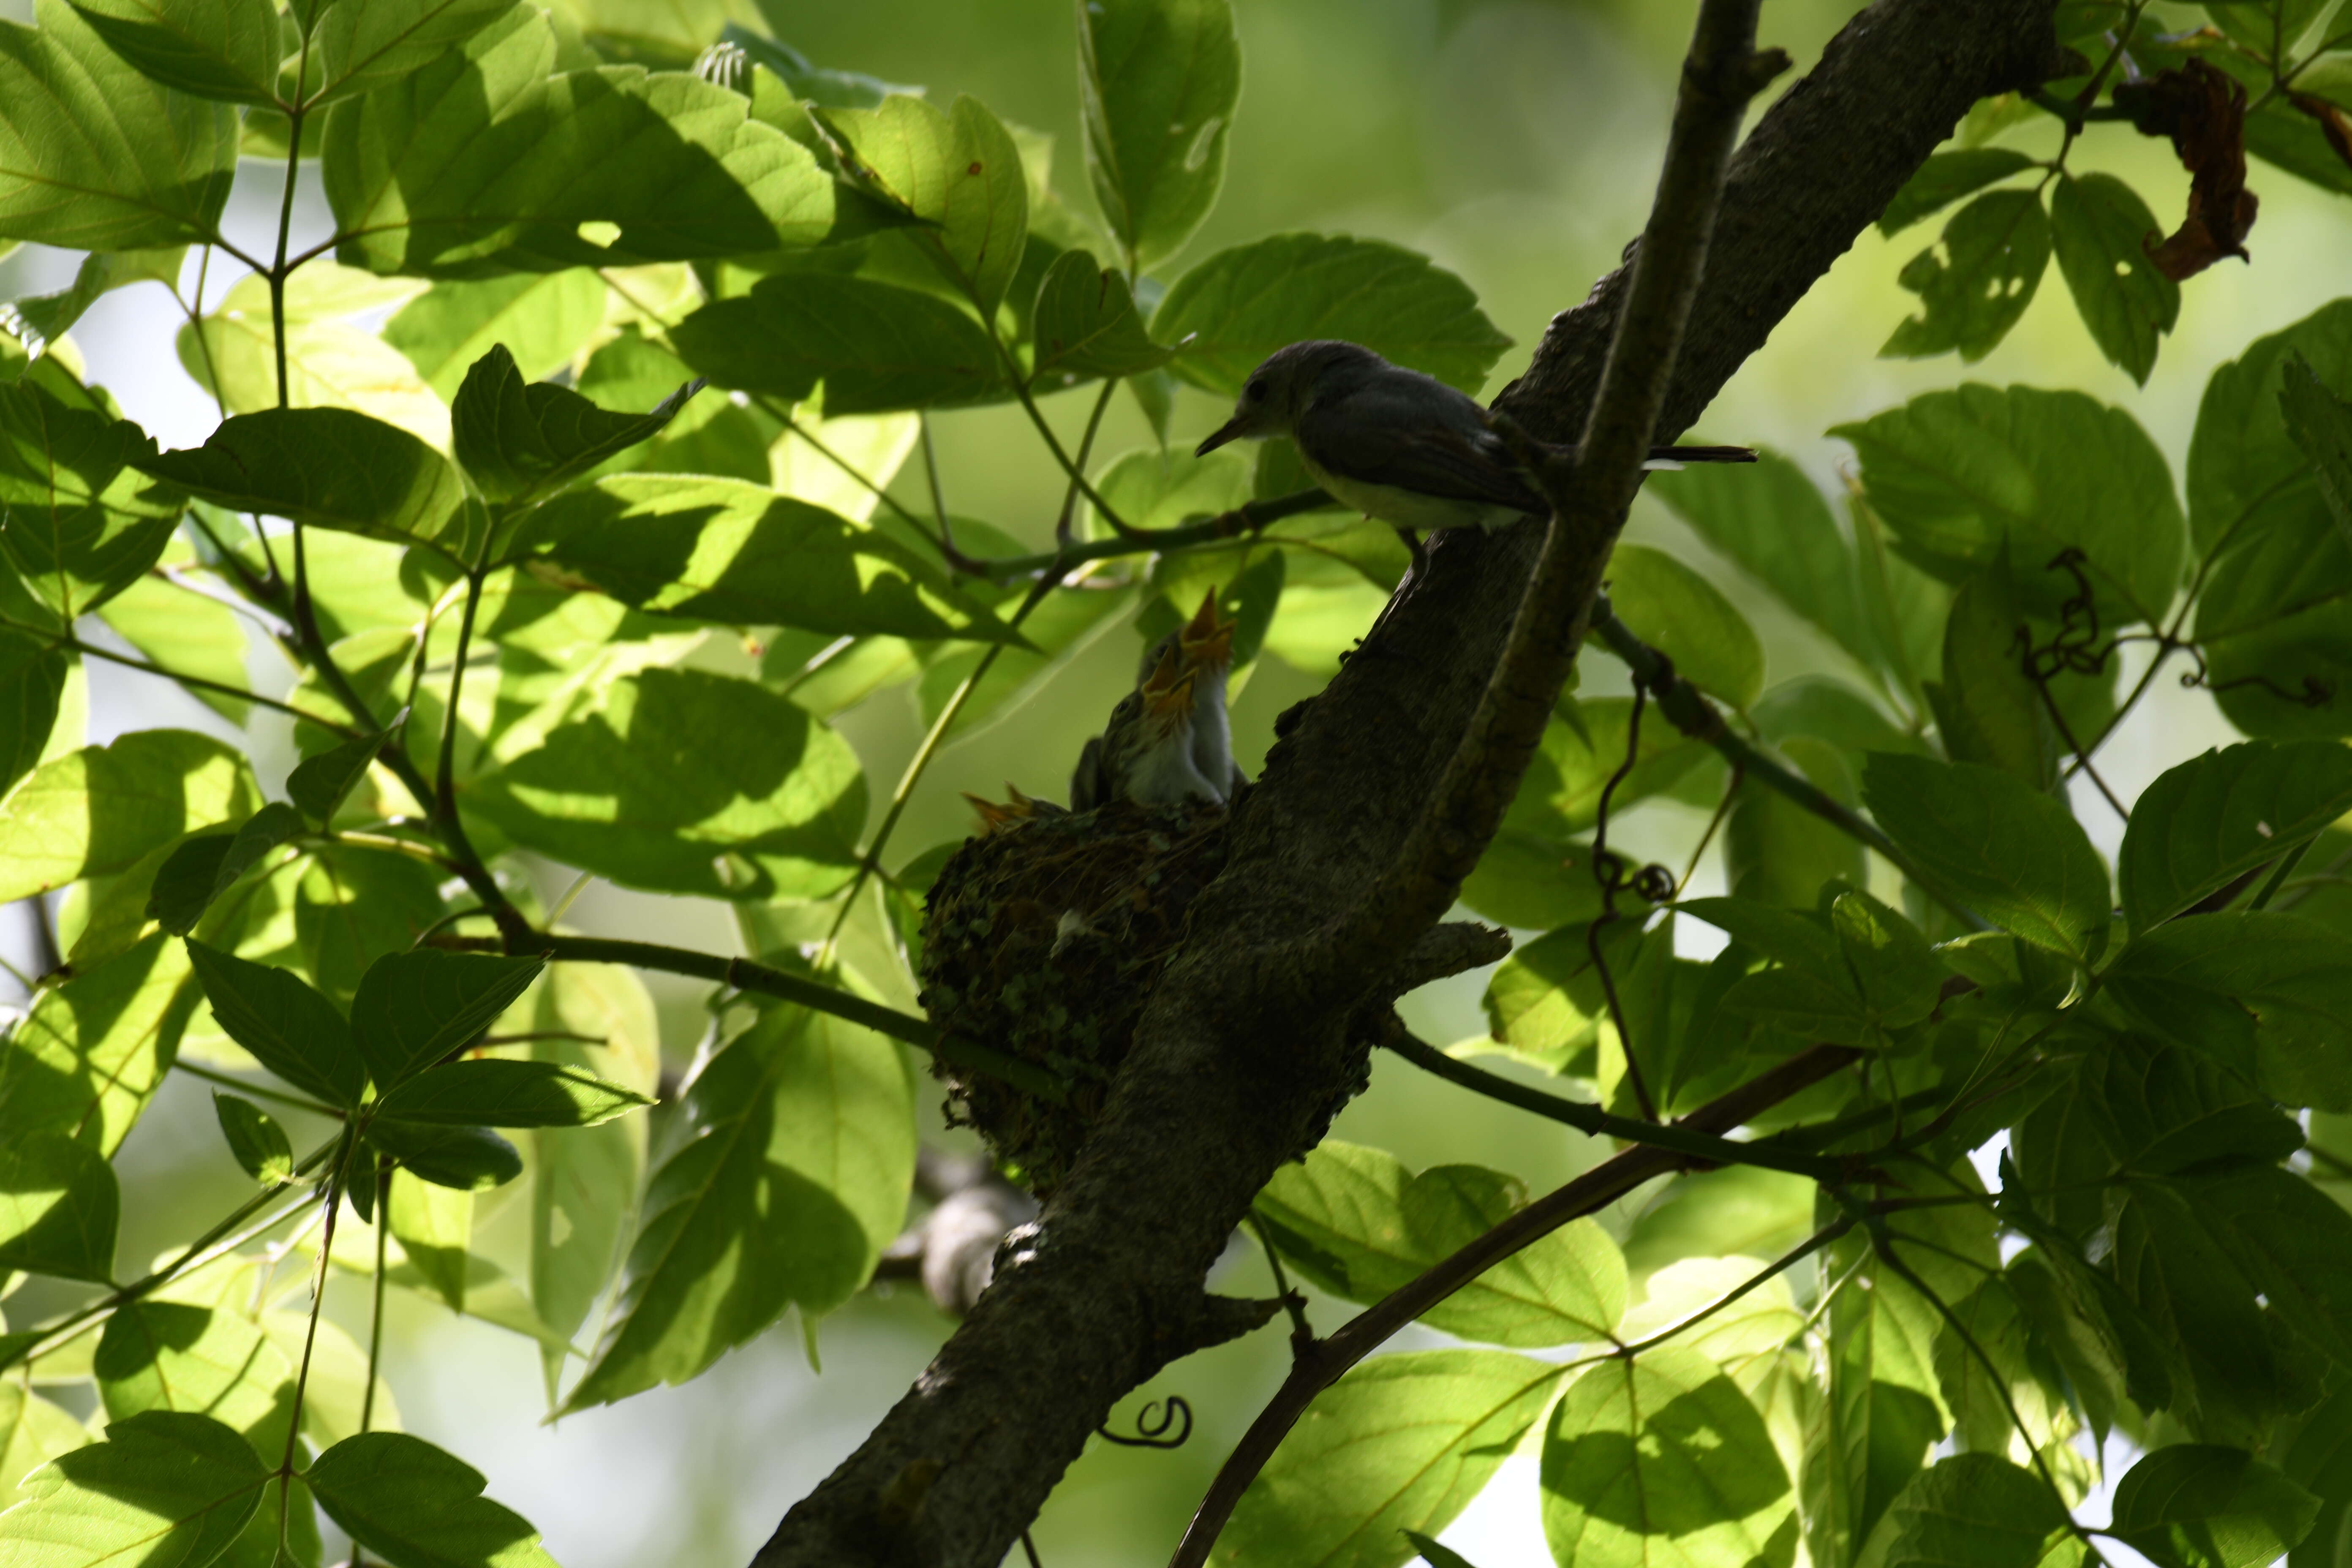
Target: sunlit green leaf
{"x":418,"y":1507}
{"x":1358,"y":1223}
{"x":1240,"y":305}
{"x":791,"y":1180}
{"x":319,"y":783}
{"x":256,"y":1138}
{"x":212,"y":48}
{"x":166,"y":1487}
{"x":204,"y":867}
{"x":100,"y":809}
{"x":94,"y":156}
{"x":1401,"y":1442}
{"x":1972,"y":1510}
{"x":77,"y":520}
{"x":542,"y":318}
{"x":958,"y":171}
{"x":32,"y":1431}
{"x":1086,"y":325}
{"x":59,"y":1207}
{"x":685,"y":782}
{"x":1665,"y":1446}
{"x":85,"y":1060}
{"x":186,"y":631}
{"x":356,"y":46}
{"x":478,"y":155}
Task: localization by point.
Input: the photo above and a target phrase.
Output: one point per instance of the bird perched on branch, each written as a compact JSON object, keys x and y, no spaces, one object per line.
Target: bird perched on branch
{"x":1396,"y":445}
{"x":1170,"y":740}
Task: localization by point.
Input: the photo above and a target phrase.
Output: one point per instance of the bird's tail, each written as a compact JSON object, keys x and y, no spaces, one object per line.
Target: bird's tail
{"x":1702,"y":455}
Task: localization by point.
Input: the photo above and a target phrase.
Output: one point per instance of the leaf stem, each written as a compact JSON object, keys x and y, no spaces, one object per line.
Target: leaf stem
{"x":444,"y":785}
{"x":259,"y":1091}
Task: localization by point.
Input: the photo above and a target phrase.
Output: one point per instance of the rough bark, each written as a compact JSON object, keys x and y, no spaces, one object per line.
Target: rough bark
{"x":1234,"y":1069}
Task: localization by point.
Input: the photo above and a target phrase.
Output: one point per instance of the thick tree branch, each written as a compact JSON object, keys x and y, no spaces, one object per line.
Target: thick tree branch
{"x":1231,"y":1072}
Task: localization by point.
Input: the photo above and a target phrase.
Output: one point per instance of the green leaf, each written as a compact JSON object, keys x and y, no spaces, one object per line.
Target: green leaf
{"x":2317,"y":1460}
{"x":496,"y":1093}
{"x":469,"y":1158}
{"x":188,"y":632}
{"x":2204,"y":824}
{"x":681,"y":781}
{"x":1533,"y":879}
{"x":171,"y":1355}
{"x":1738,"y":1210}
{"x":1976,"y":476}
{"x":791,"y":1179}
{"x":584,"y":1181}
{"x":318,"y":784}
{"x":92,"y":1052}
{"x":1581,"y":750}
{"x":517,"y":440}
{"x":93,"y":155}
{"x":416,"y":1008}
{"x":1993,"y":253}
{"x":256,"y":1138}
{"x":724,"y":550}
{"x":233,"y":354}
{"x":354,"y":904}
{"x":875,"y":346}
{"x":1664,"y":1447}
{"x":2266,"y":995}
{"x":100,"y":810}
{"x":418,"y":1507}
{"x":1157,"y":84}
{"x":1401,"y":1442}
{"x":332,"y":467}
{"x":204,"y":867}
{"x":434,"y":1226}
{"x":2015,"y":855}
{"x":544,"y":318}
{"x":285,"y":1025}
{"x":1777,"y":852}
{"x":46,"y":318}
{"x":1086,"y":325}
{"x":58,"y":1208}
{"x":958,"y":173}
{"x":1672,"y":607}
{"x":1240,"y":305}
{"x":1437,"y":1554}
{"x":1987,"y":710}
{"x":212,"y":48}
{"x":1359,"y":1224}
{"x":77,"y":519}
{"x":1972,"y":1510}
{"x":1770,"y":519}
{"x":2097,"y":223}
{"x":1900,"y":977}
{"x":360,"y":46}
{"x":32,"y":1431}
{"x":479,"y":159}
{"x":2196,"y":1505}
{"x":1944,"y":179}
{"x":33,"y":675}
{"x":166,"y":1487}
{"x":2321,"y":424}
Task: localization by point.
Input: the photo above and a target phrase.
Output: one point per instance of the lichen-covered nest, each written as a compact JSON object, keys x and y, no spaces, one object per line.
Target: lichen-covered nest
{"x":1041,"y":942}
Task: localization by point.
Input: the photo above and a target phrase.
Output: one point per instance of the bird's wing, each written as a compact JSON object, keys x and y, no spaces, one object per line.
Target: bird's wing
{"x":1438,"y":451}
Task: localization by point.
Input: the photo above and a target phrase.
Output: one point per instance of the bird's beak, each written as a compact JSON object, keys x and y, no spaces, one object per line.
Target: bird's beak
{"x":1168,"y":693}
{"x":1207,"y":640}
{"x":1231,"y":430}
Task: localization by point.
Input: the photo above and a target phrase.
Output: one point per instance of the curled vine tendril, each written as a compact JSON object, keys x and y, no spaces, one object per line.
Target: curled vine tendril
{"x":1151,"y":1432}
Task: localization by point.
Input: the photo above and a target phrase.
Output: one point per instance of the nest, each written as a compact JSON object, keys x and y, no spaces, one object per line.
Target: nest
{"x":1042,"y":941}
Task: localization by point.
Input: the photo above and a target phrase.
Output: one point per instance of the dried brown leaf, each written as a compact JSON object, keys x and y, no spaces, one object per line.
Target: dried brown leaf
{"x":2203,"y":111}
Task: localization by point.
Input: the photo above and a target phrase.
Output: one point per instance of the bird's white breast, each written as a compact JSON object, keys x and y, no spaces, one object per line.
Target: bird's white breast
{"x":1407,"y":508}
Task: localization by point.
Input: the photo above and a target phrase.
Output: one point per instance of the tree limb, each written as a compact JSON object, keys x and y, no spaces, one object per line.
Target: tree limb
{"x":1232,"y":1072}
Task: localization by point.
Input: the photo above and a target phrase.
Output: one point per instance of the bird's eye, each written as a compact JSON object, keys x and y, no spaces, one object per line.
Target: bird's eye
{"x":1256,"y":391}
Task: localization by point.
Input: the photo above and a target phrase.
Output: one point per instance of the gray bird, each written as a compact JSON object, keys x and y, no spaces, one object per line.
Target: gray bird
{"x":1147,"y":753}
{"x":1396,"y":445}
